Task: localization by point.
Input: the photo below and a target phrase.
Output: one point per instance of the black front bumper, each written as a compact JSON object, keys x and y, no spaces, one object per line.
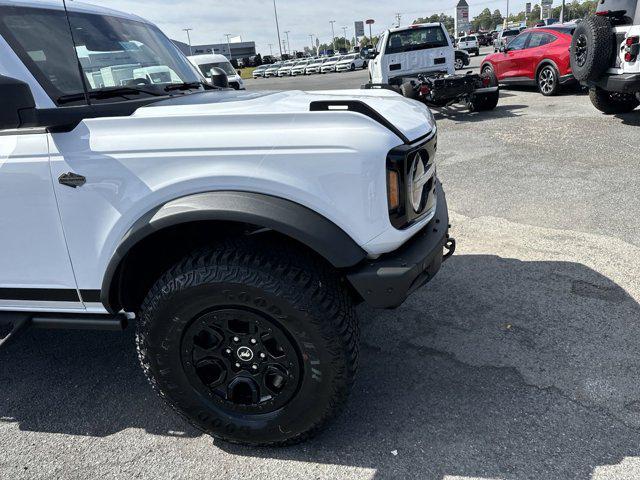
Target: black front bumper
{"x":626,"y":83}
{"x":387,"y":281}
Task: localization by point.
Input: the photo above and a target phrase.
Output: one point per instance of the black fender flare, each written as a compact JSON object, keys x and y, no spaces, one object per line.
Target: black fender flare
{"x":544,"y":63}
{"x":283,"y":216}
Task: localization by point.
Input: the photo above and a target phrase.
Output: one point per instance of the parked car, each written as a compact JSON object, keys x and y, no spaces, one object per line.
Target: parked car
{"x":537,"y":57}
{"x":238,"y":229}
{"x":272,"y":70}
{"x":329,"y":65}
{"x":469,"y":43}
{"x":605,"y":56}
{"x":315,"y":66}
{"x":485,"y":39}
{"x":462,"y":59}
{"x":285,"y":69}
{"x":258,"y":72}
{"x":353,"y":61}
{"x":504,"y":37}
{"x":300,"y":67}
{"x":204,"y":63}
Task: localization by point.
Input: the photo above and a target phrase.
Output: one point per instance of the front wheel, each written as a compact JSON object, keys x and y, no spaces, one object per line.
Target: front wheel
{"x":458,"y":64}
{"x":482,"y":102}
{"x":612,"y":103}
{"x":251,"y":342}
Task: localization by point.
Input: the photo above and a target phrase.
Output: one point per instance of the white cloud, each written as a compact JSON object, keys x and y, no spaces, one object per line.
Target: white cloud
{"x":254,"y":19}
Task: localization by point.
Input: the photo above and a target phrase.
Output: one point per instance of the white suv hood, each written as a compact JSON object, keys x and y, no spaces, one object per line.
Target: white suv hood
{"x":410,"y":117}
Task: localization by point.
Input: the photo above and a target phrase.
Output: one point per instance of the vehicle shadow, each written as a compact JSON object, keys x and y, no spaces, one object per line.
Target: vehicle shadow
{"x":460,"y":113}
{"x":632,"y":118}
{"x":499,"y":368}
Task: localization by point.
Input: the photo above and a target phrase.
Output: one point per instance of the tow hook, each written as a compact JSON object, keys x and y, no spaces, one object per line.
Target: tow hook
{"x":450,"y":247}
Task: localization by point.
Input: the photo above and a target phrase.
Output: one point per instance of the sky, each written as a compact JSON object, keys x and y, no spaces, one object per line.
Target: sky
{"x":254,"y":20}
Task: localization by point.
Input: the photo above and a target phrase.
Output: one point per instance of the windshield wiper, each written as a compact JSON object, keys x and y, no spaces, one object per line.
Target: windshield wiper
{"x":109,"y":92}
{"x":185,"y":86}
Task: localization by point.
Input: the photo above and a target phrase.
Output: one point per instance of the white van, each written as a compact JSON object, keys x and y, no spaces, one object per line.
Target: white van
{"x":206,"y":62}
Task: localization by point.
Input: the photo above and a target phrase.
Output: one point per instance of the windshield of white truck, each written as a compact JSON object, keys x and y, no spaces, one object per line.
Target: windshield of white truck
{"x":118,"y":57}
{"x":419,"y":38}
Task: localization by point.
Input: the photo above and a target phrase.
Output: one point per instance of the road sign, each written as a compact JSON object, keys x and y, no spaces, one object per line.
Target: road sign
{"x":359,"y":29}
{"x":370,"y":22}
{"x":528,"y":8}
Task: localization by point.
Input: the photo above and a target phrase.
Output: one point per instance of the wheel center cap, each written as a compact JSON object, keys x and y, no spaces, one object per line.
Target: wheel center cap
{"x":245,"y":354}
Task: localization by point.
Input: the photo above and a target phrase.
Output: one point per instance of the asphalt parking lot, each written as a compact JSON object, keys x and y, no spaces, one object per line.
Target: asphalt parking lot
{"x":519,"y":361}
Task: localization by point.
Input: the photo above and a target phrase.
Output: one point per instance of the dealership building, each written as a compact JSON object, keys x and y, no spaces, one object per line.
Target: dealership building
{"x":238,"y":49}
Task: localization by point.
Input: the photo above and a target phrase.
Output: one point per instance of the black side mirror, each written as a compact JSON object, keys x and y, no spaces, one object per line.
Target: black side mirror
{"x":219,"y":78}
{"x":18,"y":104}
{"x":504,"y":49}
{"x":368,"y":54}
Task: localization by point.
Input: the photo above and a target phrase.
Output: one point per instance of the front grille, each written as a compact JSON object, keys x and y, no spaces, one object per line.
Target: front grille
{"x":400,"y":160}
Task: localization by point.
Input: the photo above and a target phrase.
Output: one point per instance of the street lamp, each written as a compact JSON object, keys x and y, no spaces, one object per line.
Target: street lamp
{"x":333,"y":33}
{"x":288,"y":44}
{"x":344,"y":29}
{"x":228,"y":44}
{"x":275,"y":10}
{"x":271,"y":49}
{"x":189,"y":39}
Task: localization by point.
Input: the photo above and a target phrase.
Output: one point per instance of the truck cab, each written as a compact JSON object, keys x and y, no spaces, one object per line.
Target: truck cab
{"x":409,"y":51}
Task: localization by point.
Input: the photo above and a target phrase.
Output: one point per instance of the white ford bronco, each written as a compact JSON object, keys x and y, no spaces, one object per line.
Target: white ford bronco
{"x":419,"y":61}
{"x":605,"y":56}
{"x":238,"y":229}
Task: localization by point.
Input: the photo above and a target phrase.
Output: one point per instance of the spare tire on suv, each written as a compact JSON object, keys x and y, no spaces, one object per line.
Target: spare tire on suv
{"x":592,"y":48}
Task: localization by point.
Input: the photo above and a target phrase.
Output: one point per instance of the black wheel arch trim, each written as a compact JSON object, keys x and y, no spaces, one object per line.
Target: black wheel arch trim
{"x":544,"y":63}
{"x":283,"y":216}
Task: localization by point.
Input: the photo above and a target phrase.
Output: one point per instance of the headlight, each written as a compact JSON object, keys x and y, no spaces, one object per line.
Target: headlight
{"x":419,"y":176}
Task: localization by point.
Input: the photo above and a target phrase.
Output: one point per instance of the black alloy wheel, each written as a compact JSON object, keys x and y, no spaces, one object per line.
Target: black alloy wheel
{"x":241,"y":360}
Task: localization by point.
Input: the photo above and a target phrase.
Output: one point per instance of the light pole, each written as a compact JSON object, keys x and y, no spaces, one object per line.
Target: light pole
{"x":288,"y":44}
{"x":344,"y":29}
{"x":562,"y":11}
{"x":271,"y":49}
{"x":275,"y":10}
{"x":189,"y":39}
{"x":333,"y":33}
{"x":228,"y":44}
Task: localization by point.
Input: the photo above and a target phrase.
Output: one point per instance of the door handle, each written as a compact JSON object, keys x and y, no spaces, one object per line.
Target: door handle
{"x":72,"y":180}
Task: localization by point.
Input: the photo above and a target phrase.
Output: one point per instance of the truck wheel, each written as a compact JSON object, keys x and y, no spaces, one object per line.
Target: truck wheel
{"x":408,"y":91}
{"x":483,"y":102}
{"x":548,"y":80}
{"x":612,"y":103}
{"x":592,"y":48}
{"x":251,"y":342}
{"x":458,"y":63}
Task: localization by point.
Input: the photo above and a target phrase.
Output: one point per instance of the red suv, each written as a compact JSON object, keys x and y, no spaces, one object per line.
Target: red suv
{"x":538,"y":56}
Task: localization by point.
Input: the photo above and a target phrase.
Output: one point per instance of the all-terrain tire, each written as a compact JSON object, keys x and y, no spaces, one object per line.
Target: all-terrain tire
{"x":612,"y":103}
{"x":483,"y":102}
{"x":592,"y":48}
{"x":285,"y":287}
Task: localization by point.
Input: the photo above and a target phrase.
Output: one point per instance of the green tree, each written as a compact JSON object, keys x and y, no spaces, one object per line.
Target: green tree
{"x":496,"y":19}
{"x":447,"y":20}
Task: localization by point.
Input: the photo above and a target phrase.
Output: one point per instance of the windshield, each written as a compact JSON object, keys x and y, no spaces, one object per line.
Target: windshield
{"x":112,"y":52}
{"x":226,"y":67}
{"x":416,"y":39}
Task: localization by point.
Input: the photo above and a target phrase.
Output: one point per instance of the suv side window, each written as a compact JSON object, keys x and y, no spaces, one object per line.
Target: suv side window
{"x":538,"y":39}
{"x":42,"y":41}
{"x":519,"y":42}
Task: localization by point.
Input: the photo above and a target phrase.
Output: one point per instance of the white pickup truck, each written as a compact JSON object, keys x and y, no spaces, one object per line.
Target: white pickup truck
{"x":238,"y":229}
{"x":419,"y":61}
{"x":605,"y":56}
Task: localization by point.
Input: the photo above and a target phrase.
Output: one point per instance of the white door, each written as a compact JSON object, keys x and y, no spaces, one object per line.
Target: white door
{"x":35,"y":270}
